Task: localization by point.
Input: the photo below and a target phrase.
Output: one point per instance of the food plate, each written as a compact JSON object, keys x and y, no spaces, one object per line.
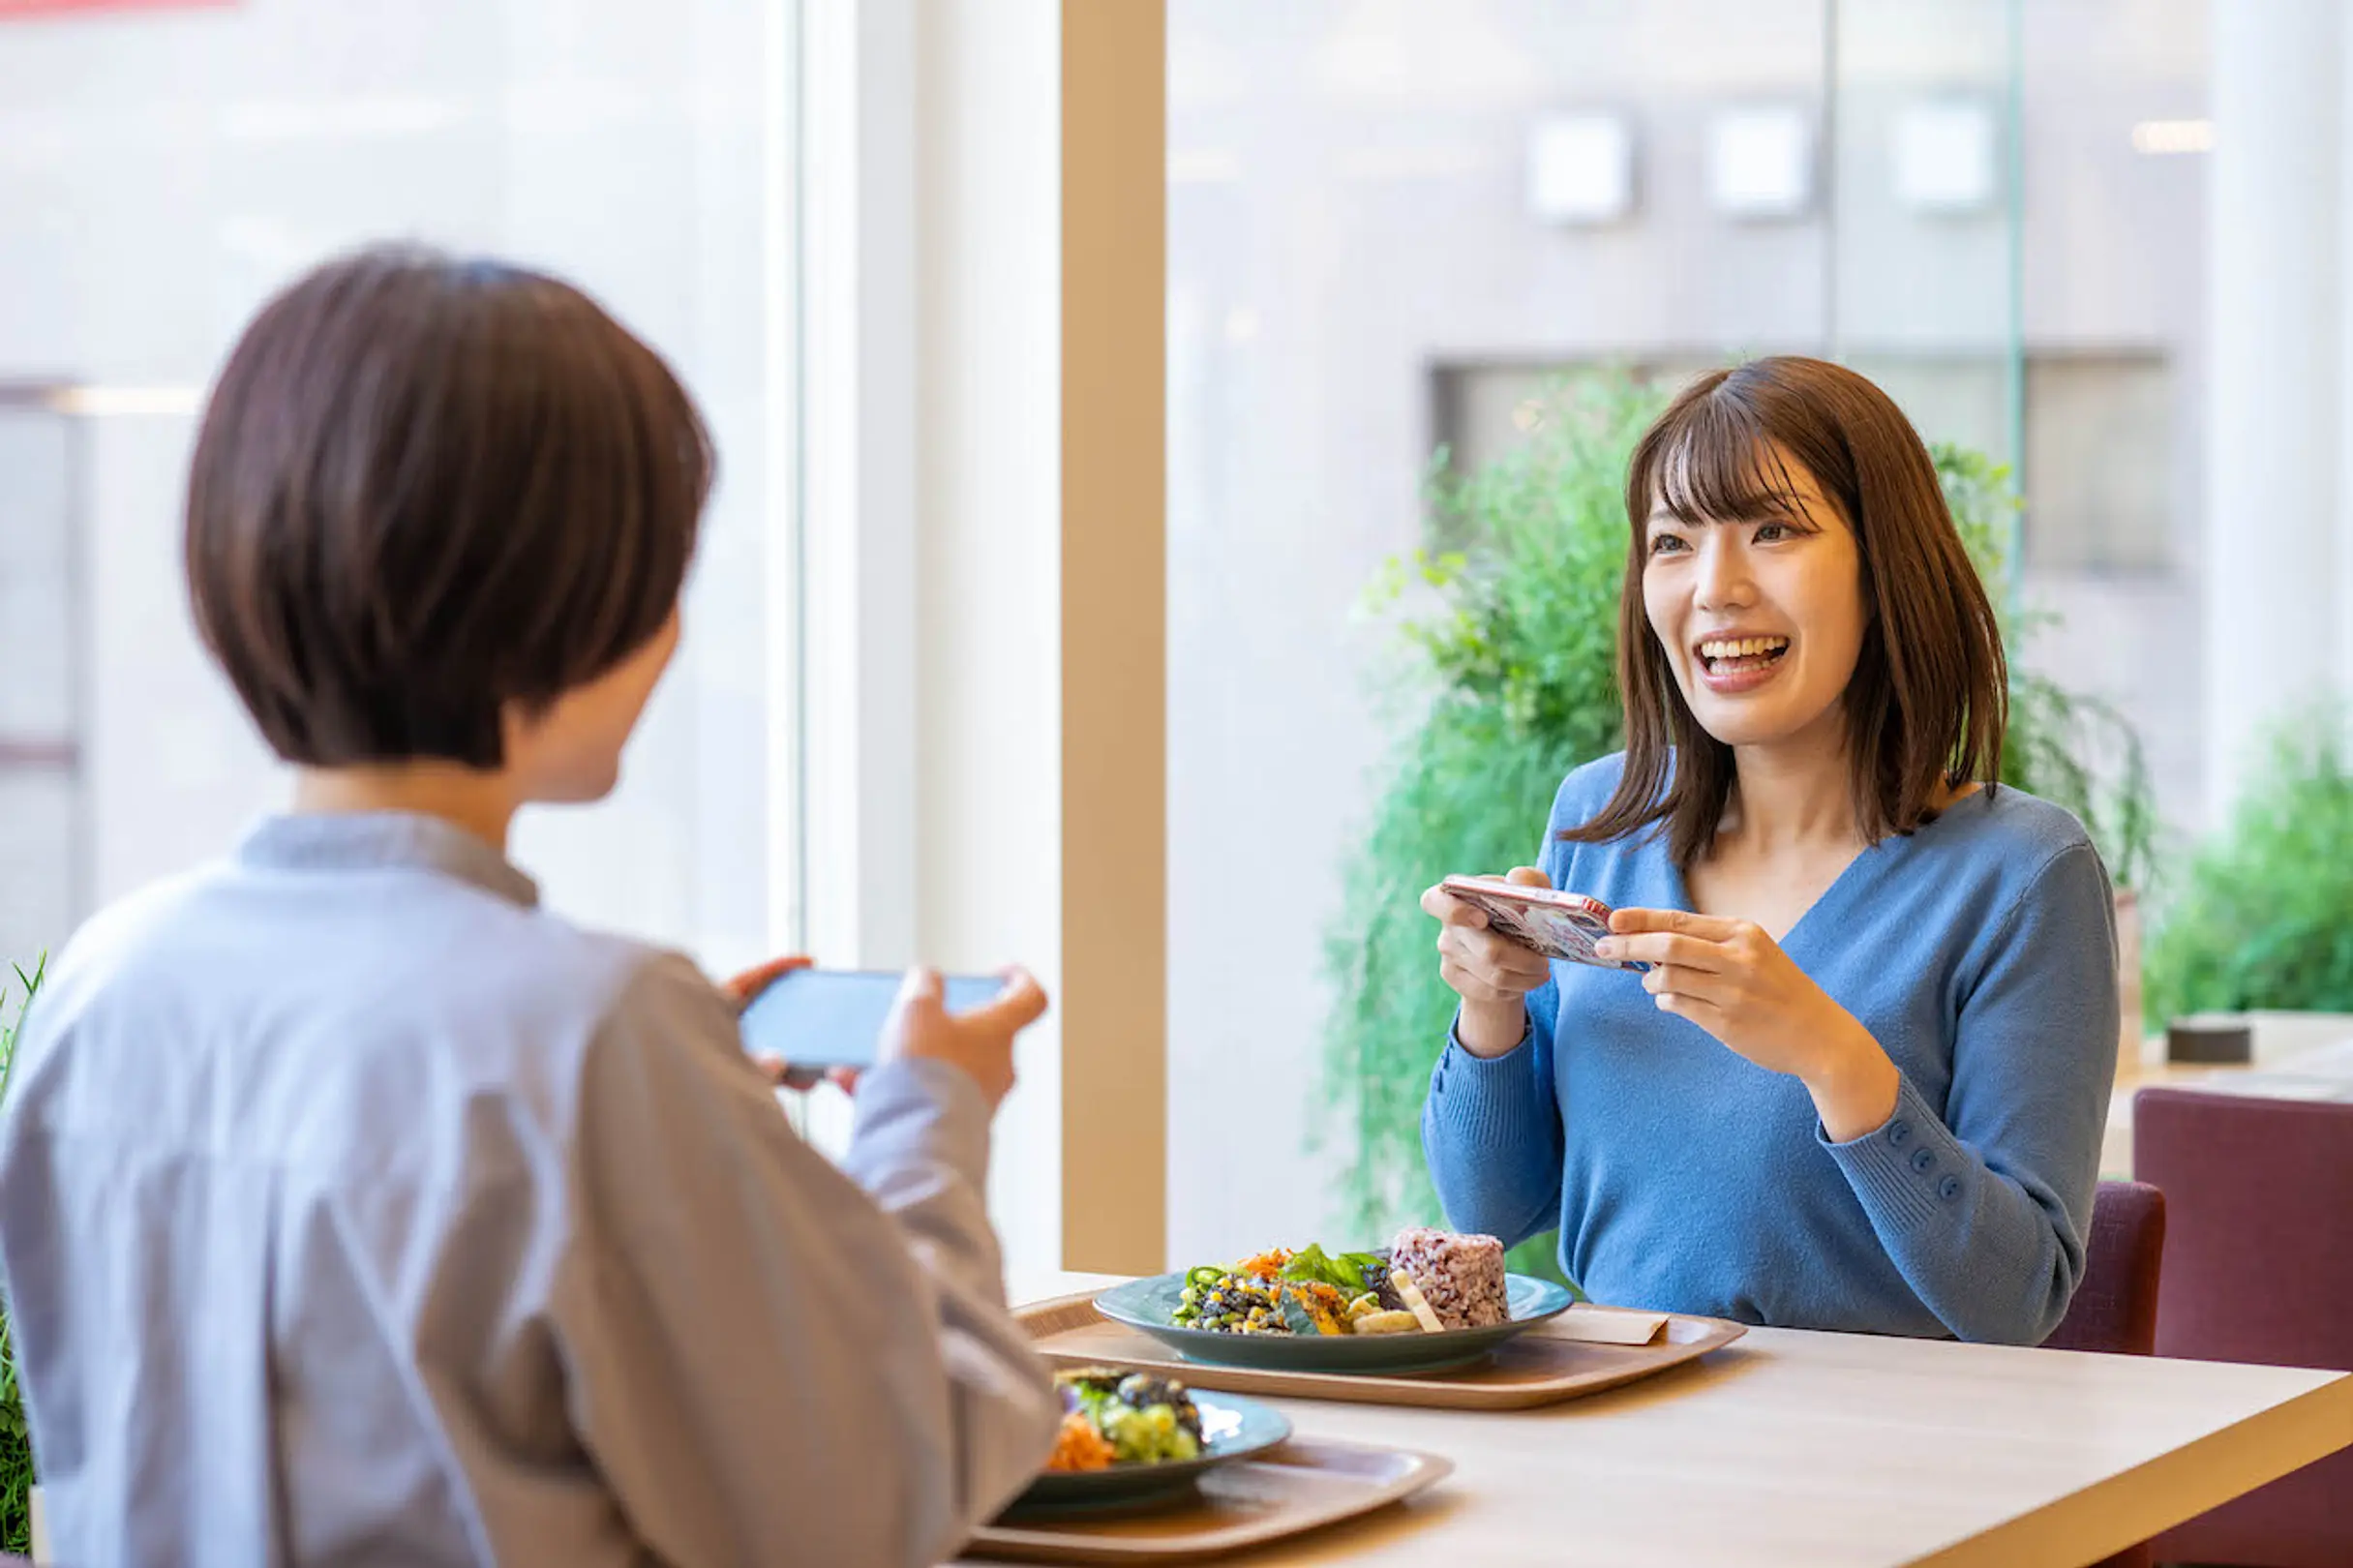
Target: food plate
{"x":1232,"y":1428}
{"x":1149,"y":1304}
{"x":1304,"y":1485}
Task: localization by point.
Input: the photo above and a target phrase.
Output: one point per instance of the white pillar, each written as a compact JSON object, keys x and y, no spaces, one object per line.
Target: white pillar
{"x":1041,"y":578}
{"x":2275,"y":566}
{"x":981,"y":358}
{"x":988,"y":563}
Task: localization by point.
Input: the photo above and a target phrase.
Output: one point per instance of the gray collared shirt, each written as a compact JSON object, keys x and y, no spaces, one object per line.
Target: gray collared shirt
{"x":356,"y":1210}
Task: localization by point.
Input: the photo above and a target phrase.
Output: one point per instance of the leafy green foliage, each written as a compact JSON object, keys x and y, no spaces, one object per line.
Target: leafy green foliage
{"x":2072,"y":750}
{"x":1509,"y":640}
{"x":15,"y":1438}
{"x":1506,"y":680}
{"x":1348,"y":1272}
{"x":2264,"y":917}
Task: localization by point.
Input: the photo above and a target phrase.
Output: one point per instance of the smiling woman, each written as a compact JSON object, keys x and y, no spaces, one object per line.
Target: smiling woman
{"x":1860,"y":1079}
{"x":1788,"y":488}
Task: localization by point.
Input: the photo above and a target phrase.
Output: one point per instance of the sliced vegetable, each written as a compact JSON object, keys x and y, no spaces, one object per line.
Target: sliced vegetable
{"x":1415,"y":1302}
{"x":1324,"y":1306}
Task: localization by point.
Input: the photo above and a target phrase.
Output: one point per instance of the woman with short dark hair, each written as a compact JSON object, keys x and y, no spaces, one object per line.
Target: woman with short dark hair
{"x":1862,"y":1079}
{"x":353,"y":1208}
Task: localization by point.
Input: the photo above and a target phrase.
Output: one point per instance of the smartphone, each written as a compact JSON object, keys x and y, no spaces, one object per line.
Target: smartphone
{"x":1562,"y":925}
{"x":835,"y":1018}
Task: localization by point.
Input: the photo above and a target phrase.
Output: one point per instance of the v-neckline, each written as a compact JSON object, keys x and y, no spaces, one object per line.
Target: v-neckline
{"x":1690,"y":905}
{"x":1681,"y":883}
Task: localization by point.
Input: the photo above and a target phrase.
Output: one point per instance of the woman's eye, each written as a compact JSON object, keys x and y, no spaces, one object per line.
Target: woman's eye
{"x":1667,"y":544}
{"x":1770,"y":532}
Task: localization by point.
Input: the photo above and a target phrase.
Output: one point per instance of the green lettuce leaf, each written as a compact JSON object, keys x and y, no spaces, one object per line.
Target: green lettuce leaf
{"x":1344,"y":1272}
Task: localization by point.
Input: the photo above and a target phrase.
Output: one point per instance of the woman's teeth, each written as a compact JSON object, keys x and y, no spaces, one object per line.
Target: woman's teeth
{"x":1719,"y":650}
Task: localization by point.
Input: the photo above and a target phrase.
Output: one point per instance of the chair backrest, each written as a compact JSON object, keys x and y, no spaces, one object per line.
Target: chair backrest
{"x":2257,"y":1270}
{"x":2115,"y":1305}
{"x":2260,"y":1193}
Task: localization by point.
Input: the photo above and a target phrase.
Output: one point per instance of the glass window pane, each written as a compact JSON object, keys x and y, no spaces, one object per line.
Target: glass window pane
{"x":163,"y":171}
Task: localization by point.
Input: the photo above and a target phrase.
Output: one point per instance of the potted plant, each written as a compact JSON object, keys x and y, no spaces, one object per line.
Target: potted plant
{"x":1504,"y":679}
{"x":15,"y":1437}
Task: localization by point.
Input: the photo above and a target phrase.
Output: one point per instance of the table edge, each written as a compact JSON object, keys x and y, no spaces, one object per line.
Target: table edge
{"x":2087,"y":1524}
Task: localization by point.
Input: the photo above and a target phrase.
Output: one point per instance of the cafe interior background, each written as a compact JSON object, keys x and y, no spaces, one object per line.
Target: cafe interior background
{"x":1055,"y":603}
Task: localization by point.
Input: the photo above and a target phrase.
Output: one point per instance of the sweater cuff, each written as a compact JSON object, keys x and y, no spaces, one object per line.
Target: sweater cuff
{"x":1910,"y":1169}
{"x":1482,"y":1100}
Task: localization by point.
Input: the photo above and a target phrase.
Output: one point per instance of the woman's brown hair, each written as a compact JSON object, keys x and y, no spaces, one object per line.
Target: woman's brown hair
{"x":1928,"y":700}
{"x":426,"y":488}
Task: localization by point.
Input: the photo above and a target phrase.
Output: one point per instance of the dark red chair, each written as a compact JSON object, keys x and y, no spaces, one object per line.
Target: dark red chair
{"x":2259,"y":1193}
{"x":2115,"y":1308}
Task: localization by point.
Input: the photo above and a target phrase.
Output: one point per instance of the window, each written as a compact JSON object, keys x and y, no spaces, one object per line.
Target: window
{"x":44,"y":853}
{"x":163,"y":171}
{"x":1389,"y":225}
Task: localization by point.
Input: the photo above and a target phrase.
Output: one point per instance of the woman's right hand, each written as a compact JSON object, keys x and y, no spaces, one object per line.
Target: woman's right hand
{"x":1490,"y":972}
{"x":980,"y":1041}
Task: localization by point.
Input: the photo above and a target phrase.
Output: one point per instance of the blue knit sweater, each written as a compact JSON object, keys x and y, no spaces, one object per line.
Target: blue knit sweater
{"x":1980,"y":953}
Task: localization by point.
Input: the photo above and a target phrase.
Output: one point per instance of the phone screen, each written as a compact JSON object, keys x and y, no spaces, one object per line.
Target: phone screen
{"x":835,"y":1018}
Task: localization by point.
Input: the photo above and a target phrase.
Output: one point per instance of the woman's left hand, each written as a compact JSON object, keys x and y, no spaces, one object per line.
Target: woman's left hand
{"x":1735,"y":982}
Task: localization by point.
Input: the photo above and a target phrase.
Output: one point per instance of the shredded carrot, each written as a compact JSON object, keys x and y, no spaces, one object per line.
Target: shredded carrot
{"x":1266,"y":1265}
{"x":1078,"y":1446}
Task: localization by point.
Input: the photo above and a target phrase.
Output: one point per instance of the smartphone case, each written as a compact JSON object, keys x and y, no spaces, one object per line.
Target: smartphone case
{"x":1561,"y":925}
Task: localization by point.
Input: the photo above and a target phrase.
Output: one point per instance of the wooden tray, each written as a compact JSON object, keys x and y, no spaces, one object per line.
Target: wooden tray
{"x":1536,"y":1368}
{"x":1302,"y":1486}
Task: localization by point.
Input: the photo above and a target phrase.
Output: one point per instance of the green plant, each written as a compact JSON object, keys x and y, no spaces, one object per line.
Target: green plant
{"x":2074,"y":751}
{"x":1508,"y":638}
{"x":2264,"y":916}
{"x":15,"y":1438}
{"x":1505,"y":680}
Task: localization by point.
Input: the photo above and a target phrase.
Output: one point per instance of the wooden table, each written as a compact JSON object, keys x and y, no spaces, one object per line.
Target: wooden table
{"x":1815,"y":1450}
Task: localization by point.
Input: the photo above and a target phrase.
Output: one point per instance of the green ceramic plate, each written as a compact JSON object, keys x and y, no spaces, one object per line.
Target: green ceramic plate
{"x":1232,"y":1428}
{"x":1149,"y":1304}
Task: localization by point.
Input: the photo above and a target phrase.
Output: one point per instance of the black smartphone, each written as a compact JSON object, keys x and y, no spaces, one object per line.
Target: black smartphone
{"x":835,"y":1018}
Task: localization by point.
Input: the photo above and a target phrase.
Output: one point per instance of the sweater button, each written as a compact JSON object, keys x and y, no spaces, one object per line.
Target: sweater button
{"x":1950,"y":1189}
{"x":1899,"y":1134}
{"x":1923,"y":1161}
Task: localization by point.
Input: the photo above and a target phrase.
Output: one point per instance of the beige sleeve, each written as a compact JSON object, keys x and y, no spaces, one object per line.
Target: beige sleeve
{"x":765,"y":1361}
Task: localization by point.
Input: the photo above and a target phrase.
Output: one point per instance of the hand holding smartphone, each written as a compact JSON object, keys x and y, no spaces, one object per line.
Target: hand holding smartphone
{"x":1560,"y":925}
{"x":823,"y":1018}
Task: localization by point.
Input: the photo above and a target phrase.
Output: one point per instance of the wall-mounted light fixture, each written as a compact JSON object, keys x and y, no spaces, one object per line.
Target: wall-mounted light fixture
{"x":2162,"y":136}
{"x":1760,"y":163}
{"x":1944,"y":156}
{"x":1581,"y":168}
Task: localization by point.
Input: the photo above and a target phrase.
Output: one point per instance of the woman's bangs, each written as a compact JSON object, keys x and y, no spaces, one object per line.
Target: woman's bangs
{"x":1719,"y":466}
